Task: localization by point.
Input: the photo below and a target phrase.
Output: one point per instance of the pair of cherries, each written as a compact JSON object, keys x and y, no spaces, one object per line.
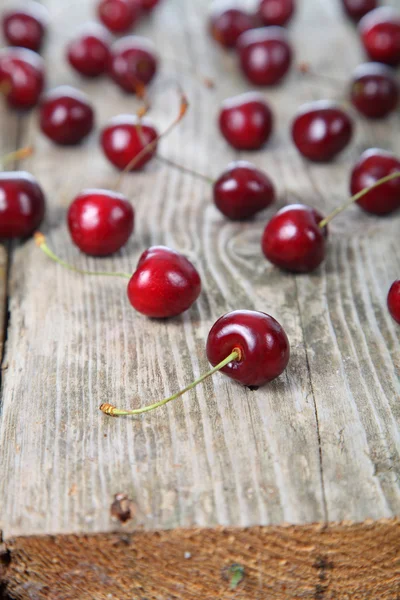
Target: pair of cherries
{"x":119,"y":16}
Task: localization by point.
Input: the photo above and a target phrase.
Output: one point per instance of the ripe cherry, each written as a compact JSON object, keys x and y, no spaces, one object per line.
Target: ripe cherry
{"x":119,"y":16}
{"x":356,"y":9}
{"x":246,"y":121}
{"x":26,"y":27}
{"x":242,"y":191}
{"x":393,"y":301}
{"x":89,"y":52}
{"x":228,"y":23}
{"x":321,"y":130}
{"x":265,"y":55}
{"x":66,"y":115}
{"x":21,"y":77}
{"x":125,"y":137}
{"x":372,"y":166}
{"x":380,"y":34}
{"x":374,"y":90}
{"x":22,"y":204}
{"x":133,"y":63}
{"x":276,"y":12}
{"x":100,"y":222}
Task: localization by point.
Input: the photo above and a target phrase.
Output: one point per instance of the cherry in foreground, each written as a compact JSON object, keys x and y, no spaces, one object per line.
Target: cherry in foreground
{"x":265,"y":55}
{"x":127,"y":136}
{"x":26,"y":27}
{"x":89,"y":52}
{"x":374,"y":90}
{"x":393,"y":301}
{"x":66,"y":115}
{"x":380,"y":34}
{"x":133,"y":63}
{"x":22,"y":77}
{"x":246,"y":121}
{"x":374,"y":164}
{"x":22,"y":204}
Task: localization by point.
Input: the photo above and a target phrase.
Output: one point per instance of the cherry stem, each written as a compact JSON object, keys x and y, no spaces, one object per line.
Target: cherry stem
{"x":187,"y":170}
{"x":356,"y":197}
{"x":112,"y":411}
{"x":306,"y":69}
{"x":41,"y":243}
{"x":20,"y":154}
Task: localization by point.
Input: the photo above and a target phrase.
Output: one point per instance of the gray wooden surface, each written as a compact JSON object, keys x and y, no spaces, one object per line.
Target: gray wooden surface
{"x":319,"y":444}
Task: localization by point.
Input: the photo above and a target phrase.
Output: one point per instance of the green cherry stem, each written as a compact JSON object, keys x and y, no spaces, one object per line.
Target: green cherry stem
{"x":356,"y":197}
{"x":112,"y":411}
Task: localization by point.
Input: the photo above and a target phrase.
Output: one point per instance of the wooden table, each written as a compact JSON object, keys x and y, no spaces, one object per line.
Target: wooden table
{"x":297,"y":482}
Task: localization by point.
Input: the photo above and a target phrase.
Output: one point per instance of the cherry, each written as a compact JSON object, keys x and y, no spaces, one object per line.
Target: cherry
{"x":374,"y":90}
{"x":393,"y":301}
{"x":321,"y":130}
{"x":149,"y":5}
{"x":21,"y":77}
{"x":26,"y":27}
{"x":228,"y":23}
{"x":119,"y":16}
{"x":380,"y":34}
{"x":133,"y":63}
{"x":373,"y":165}
{"x":22,"y":204}
{"x":246,"y":121}
{"x":242,"y":191}
{"x":125,"y":137}
{"x":356,"y":9}
{"x":276,"y":12}
{"x":265,"y":55}
{"x":89,"y":52}
{"x":66,"y":115}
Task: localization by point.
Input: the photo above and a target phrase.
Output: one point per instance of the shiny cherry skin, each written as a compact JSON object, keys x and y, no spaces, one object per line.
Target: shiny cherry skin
{"x":66,"y":116}
{"x":261,"y":341}
{"x":228,"y":23}
{"x":293,"y":239}
{"x":374,"y":90}
{"x":242,"y":191}
{"x":246,"y":121}
{"x":133,"y":62}
{"x":89,"y":52}
{"x":372,"y":165}
{"x":265,"y":55}
{"x":356,"y":9}
{"x":321,"y":130}
{"x":165,"y":284}
{"x":22,"y":77}
{"x":22,"y":204}
{"x":276,"y":12}
{"x":125,"y":137}
{"x":100,"y":222}
{"x":25,"y":27}
{"x":119,"y":16}
{"x":380,"y":34}
{"x":393,"y":301}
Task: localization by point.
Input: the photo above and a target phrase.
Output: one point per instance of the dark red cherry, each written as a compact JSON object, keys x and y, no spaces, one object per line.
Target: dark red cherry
{"x":321,"y":130}
{"x":380,"y":34}
{"x":133,"y":62}
{"x":89,"y":52}
{"x":356,"y":9}
{"x":374,"y":90}
{"x":242,"y":191}
{"x":372,"y":165}
{"x":165,"y":283}
{"x":394,"y":301}
{"x":100,"y":222}
{"x":261,"y":341}
{"x":293,"y":239}
{"x":25,"y":27}
{"x":119,"y":16}
{"x":227,"y":23}
{"x":276,"y":12}
{"x":22,"y":77}
{"x":66,"y":115}
{"x":22,"y":204}
{"x":265,"y":55}
{"x":149,"y":5}
{"x":125,"y":137}
{"x":246,"y":121}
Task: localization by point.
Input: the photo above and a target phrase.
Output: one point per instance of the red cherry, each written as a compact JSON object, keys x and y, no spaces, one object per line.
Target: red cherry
{"x":22,"y":204}
{"x":293,"y":239}
{"x":228,"y":23}
{"x":165,"y":283}
{"x":119,"y":16}
{"x":321,"y":130}
{"x":246,"y":121}
{"x":21,"y":77}
{"x":374,"y":90}
{"x":394,"y":301}
{"x":100,"y":222}
{"x":265,"y":55}
{"x":276,"y":12}
{"x":26,"y":27}
{"x":242,"y":191}
{"x":356,"y":9}
{"x":89,"y":52}
{"x":133,"y":63}
{"x":125,"y":137}
{"x":380,"y":34}
{"x":149,"y":5}
{"x":66,"y":115}
{"x":374,"y":164}
{"x":262,"y":343}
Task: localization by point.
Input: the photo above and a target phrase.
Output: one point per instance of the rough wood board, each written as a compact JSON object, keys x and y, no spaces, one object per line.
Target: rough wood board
{"x":319,"y":444}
